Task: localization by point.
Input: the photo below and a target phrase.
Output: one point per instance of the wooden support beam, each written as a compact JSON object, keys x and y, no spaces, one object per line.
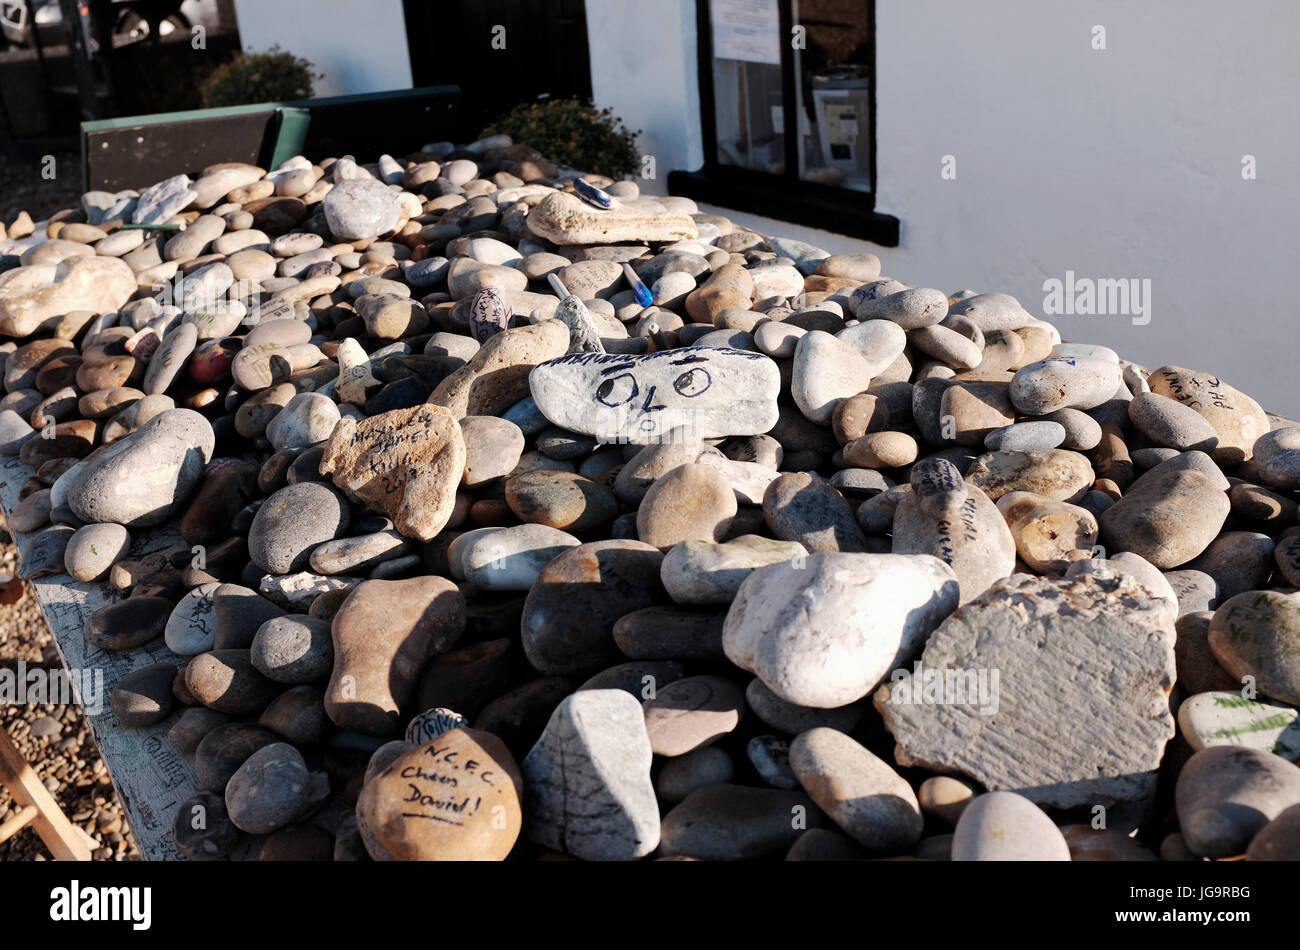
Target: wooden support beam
{"x":17,"y":823}
{"x":61,"y":836}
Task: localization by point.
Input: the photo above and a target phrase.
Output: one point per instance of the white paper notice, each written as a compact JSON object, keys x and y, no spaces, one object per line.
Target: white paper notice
{"x":746,"y":30}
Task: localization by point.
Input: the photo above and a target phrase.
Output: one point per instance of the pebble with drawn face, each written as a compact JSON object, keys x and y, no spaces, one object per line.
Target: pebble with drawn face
{"x":640,"y":399}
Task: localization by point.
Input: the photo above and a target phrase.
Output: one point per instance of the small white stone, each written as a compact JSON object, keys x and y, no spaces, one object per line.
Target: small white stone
{"x":192,"y":627}
{"x":1004,"y":826}
{"x":355,"y":372}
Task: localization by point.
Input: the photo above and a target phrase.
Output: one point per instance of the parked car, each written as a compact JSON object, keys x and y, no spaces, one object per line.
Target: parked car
{"x":48,"y":19}
{"x":130,"y":19}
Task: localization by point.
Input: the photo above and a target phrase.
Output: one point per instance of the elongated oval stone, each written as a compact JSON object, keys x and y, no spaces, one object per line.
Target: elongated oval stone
{"x":1237,"y":418}
{"x":127,"y":624}
{"x":146,"y":477}
{"x":489,"y":313}
{"x":1064,"y":382}
{"x":640,"y":399}
{"x":871,"y":802}
{"x":960,"y":526}
{"x":1257,"y":633}
{"x":700,"y":572}
{"x":1168,"y":518}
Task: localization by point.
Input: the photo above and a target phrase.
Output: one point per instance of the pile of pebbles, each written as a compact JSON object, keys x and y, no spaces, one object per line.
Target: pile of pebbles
{"x":525,"y":516}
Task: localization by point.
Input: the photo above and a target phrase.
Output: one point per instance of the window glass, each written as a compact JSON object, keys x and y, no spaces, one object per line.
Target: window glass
{"x":748,"y":102}
{"x":834,"y":106}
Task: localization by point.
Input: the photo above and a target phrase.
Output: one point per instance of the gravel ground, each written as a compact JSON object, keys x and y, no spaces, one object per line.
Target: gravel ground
{"x":55,"y":740}
{"x":23,"y":189}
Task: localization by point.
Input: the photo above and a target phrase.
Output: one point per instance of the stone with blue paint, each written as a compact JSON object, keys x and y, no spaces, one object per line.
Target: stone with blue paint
{"x":593,"y":195}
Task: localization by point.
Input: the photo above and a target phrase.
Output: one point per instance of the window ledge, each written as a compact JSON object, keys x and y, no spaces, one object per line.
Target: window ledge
{"x":815,"y":206}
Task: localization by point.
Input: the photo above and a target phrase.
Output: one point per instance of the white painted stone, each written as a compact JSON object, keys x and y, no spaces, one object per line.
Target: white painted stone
{"x":641,"y":399}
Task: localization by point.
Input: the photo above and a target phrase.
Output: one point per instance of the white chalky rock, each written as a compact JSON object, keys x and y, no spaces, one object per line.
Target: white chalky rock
{"x":1088,"y":350}
{"x":566,"y":219}
{"x":361,"y":208}
{"x":824,"y":630}
{"x":584,"y":336}
{"x":31,"y":295}
{"x":748,"y":480}
{"x":168,"y":197}
{"x":295,"y":592}
{"x":998,"y":679}
{"x":1126,"y":563}
{"x":776,"y":280}
{"x":641,"y":399}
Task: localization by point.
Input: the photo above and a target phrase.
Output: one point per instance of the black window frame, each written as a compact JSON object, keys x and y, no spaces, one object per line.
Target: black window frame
{"x":784,"y":196}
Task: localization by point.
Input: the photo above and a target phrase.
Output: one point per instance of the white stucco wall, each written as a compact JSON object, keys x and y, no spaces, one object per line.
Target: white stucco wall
{"x":643,"y":65}
{"x":1117,"y":163}
{"x":359,"y":46}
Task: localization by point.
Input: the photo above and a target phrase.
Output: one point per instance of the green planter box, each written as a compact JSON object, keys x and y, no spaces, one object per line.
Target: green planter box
{"x":136,"y":151}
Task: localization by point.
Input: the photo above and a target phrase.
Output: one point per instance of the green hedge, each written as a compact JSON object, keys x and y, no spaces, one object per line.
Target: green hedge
{"x":574,"y":133}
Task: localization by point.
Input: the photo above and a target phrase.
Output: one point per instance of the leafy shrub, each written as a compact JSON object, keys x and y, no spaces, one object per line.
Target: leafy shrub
{"x":272,"y":76}
{"x":574,"y":133}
